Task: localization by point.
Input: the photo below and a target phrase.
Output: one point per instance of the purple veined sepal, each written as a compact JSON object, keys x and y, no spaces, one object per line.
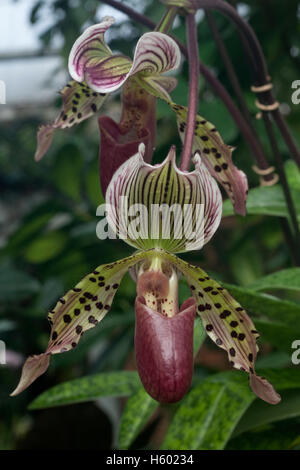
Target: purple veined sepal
{"x":97,"y":72}
{"x":178,"y":211}
{"x":119,"y":141}
{"x":163,"y":335}
{"x":92,"y":61}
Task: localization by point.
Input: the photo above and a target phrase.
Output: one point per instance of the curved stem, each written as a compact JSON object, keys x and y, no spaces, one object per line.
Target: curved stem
{"x":256,"y":58}
{"x":262,"y":162}
{"x":166,"y":22}
{"x":193,"y":57}
{"x":210,"y":78}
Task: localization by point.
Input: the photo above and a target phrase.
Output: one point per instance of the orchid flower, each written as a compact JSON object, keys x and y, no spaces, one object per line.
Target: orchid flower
{"x":96,"y":72}
{"x":163,"y":331}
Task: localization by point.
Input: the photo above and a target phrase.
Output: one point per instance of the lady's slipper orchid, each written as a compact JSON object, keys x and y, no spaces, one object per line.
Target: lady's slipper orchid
{"x":96,"y":71}
{"x":164,"y":332}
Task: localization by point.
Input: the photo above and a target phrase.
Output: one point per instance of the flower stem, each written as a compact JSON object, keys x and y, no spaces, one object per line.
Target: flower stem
{"x":259,"y":69}
{"x":167,"y":20}
{"x":261,"y":159}
{"x":193,"y":58}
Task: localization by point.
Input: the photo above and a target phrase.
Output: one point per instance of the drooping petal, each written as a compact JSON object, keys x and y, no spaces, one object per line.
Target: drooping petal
{"x":137,"y":125}
{"x":217,"y":156}
{"x":155,"y":53}
{"x":164,"y":350}
{"x":89,"y":48}
{"x":227,"y":324}
{"x":33,"y":368}
{"x":82,"y":308}
{"x":178,"y":211}
{"x":79,"y":103}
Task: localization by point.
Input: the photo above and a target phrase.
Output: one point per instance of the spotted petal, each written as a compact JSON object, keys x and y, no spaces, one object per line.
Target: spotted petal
{"x":175,"y":210}
{"x":227,"y":324}
{"x":79,"y":103}
{"x":82,"y":308}
{"x":217,"y":157}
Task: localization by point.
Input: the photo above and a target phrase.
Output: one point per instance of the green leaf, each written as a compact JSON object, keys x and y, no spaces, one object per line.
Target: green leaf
{"x":45,"y":247}
{"x":113,"y":384}
{"x":15,"y":285}
{"x":285,"y":279}
{"x":67,"y":171}
{"x":260,"y":413}
{"x":266,"y":201}
{"x":137,"y":411}
{"x":279,"y":320}
{"x":209,"y":413}
{"x":92,"y":184}
{"x":293,"y":174}
{"x":266,"y":439}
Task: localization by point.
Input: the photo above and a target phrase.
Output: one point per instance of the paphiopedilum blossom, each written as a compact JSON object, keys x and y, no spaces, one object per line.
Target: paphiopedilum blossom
{"x":164,"y":332}
{"x":96,"y":72}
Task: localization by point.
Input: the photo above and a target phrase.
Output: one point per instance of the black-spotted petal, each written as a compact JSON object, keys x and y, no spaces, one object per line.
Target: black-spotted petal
{"x":82,"y":308}
{"x":162,"y":206}
{"x":79,"y":103}
{"x":217,"y":156}
{"x":227,"y":324}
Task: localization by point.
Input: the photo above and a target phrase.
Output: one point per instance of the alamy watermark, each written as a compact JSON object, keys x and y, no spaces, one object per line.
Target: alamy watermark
{"x":296,"y":353}
{"x":296,"y":94}
{"x":2,"y":352}
{"x":154,"y":222}
{"x":2,"y":92}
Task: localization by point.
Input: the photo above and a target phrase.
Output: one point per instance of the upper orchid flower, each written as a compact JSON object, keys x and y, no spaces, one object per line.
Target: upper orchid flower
{"x":178,"y":211}
{"x":97,"y":71}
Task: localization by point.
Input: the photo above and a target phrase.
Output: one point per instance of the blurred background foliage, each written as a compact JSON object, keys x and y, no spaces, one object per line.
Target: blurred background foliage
{"x":48,"y":242}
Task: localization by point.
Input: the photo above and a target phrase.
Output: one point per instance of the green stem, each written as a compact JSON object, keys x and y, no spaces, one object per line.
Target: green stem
{"x":166,"y":23}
